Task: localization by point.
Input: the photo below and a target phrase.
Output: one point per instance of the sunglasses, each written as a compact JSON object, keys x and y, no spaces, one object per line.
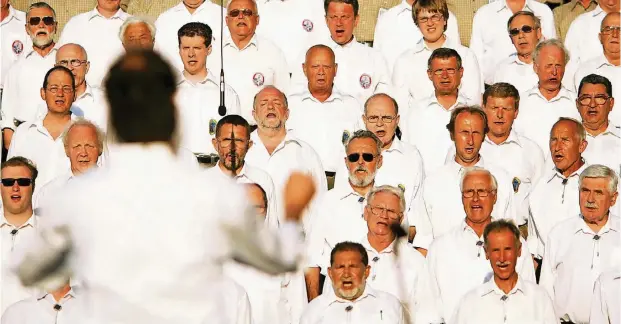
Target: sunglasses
{"x":35,"y":21}
{"x":516,"y":31}
{"x":22,"y":182}
{"x":245,"y":12}
{"x":354,"y":157}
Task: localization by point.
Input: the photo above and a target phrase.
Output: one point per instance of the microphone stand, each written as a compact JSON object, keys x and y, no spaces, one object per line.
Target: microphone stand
{"x":222,"y":107}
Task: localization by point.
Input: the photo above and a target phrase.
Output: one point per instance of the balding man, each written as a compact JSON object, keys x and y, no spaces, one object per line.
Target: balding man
{"x":137,"y":32}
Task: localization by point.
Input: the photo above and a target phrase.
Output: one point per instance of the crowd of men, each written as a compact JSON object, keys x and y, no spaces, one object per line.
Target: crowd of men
{"x":493,"y":200}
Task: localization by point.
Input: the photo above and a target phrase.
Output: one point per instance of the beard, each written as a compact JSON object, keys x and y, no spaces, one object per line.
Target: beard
{"x":42,"y":42}
{"x":235,"y":163}
{"x":365,"y":181}
{"x":349,"y":294}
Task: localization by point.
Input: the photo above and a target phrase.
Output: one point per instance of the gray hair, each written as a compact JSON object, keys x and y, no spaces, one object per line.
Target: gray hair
{"x":500,"y":225}
{"x":41,"y":4}
{"x":550,"y":42}
{"x":133,"y":20}
{"x":388,"y":189}
{"x":475,"y":169}
{"x":581,"y":132}
{"x":101,"y":137}
{"x":536,"y":20}
{"x":365,"y":134}
{"x":601,"y":171}
{"x":284,"y":97}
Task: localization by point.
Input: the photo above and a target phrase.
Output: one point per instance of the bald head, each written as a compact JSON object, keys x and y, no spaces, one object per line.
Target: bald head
{"x":320,"y":69}
{"x":250,"y":4}
{"x":320,"y":50}
{"x":74,"y":57}
{"x":71,"y":49}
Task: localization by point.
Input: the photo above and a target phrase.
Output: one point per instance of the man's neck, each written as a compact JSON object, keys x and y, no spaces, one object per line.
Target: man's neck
{"x":506,"y":285}
{"x":526,"y":58}
{"x":613,"y":58}
{"x":198,"y":77}
{"x":362,"y":191}
{"x":467,"y":163}
{"x":44,"y":50}
{"x":4,"y":12}
{"x":56,"y":118}
{"x":549,"y":94}
{"x":107,"y":13}
{"x":192,"y":10}
{"x":321,"y":94}
{"x":572,"y":168}
{"x":77,"y":173}
{"x":410,"y":2}
{"x":515,"y":5}
{"x":347,"y":42}
{"x":80,"y":89}
{"x":435,"y":44}
{"x":242,"y":41}
{"x":230,"y":173}
{"x":597,"y":226}
{"x":596,"y":129}
{"x":20,"y":219}
{"x":380,"y":242}
{"x":447,"y":100}
{"x":498,"y":139}
{"x":585,"y":3}
{"x":60,"y":293}
{"x":479,"y":227}
{"x":271,"y":137}
{"x":388,"y":144}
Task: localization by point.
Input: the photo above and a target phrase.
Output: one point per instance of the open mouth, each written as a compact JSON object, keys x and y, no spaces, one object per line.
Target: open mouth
{"x":553,"y":79}
{"x":348,"y":284}
{"x":476,"y":207}
{"x":42,"y":33}
{"x":340,"y":32}
{"x":270,"y":115}
{"x":558,"y":157}
{"x":592,"y":113}
{"x":59,"y":102}
{"x":380,"y":133}
{"x":431,"y":29}
{"x":16,"y":197}
{"x":499,"y":123}
{"x":469,"y":150}
{"x":240,"y":24}
{"x":503,"y":266}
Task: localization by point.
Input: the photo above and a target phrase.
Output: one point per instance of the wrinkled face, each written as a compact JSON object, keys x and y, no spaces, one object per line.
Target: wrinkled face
{"x":550,"y":67}
{"x":431,"y":24}
{"x":478,"y":197}
{"x":256,"y":199}
{"x":194,"y":54}
{"x":232,"y":145}
{"x":138,"y":35}
{"x":348,"y":275}
{"x":59,"y":94}
{"x":82,"y":148}
{"x":445,"y":75}
{"x":41,"y":26}
{"x":609,"y":5}
{"x":362,"y":161}
{"x":16,"y":199}
{"x":74,"y":58}
{"x":526,"y":40}
{"x":242,"y":18}
{"x":381,"y":118}
{"x":594,"y":113}
{"x":609,"y":34}
{"x":502,"y":251}
{"x":596,"y":199}
{"x":501,"y":113}
{"x":565,"y":145}
{"x":468,"y":137}
{"x":320,"y":69}
{"x":109,"y":5}
{"x":341,"y":22}
{"x":382,"y":212}
{"x":269,"y":110}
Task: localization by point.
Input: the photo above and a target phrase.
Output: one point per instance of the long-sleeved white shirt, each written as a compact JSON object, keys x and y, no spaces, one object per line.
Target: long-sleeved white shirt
{"x":13,"y":40}
{"x":605,"y":304}
{"x":41,"y":309}
{"x":582,"y":39}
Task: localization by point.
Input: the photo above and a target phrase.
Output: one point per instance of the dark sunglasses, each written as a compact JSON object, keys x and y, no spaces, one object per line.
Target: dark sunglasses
{"x":245,"y":12}
{"x":35,"y":21}
{"x":516,"y":31}
{"x":22,"y":182}
{"x":354,"y":157}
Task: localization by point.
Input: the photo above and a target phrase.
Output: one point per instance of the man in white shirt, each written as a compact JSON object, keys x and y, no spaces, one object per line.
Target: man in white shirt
{"x":352,"y":300}
{"x":14,"y":38}
{"x":583,"y":246}
{"x":40,"y":140}
{"x":408,"y":77}
{"x":604,"y":307}
{"x":524,"y":29}
{"x":18,"y":225}
{"x":462,"y":248}
{"x":542,"y":105}
{"x":363,"y":70}
{"x":97,"y":31}
{"x":425,"y":124}
{"x":251,"y":61}
{"x":595,"y":103}
{"x":20,"y":97}
{"x":137,"y":32}
{"x":467,"y":127}
{"x":321,"y":115}
{"x":339,"y":214}
{"x":505,"y":298}
{"x":198,"y":98}
{"x":489,"y":40}
{"x":608,"y":63}
{"x":396,"y":31}
{"x":45,"y":308}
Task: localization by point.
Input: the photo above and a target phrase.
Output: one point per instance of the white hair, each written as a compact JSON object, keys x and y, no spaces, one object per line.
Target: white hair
{"x":550,"y":42}
{"x":137,"y":20}
{"x":85,"y":122}
{"x":388,"y":189}
{"x":475,"y":169}
{"x":601,"y":171}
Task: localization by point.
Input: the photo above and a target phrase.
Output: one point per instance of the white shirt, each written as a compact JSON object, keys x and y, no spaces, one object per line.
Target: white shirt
{"x":526,"y":303}
{"x":490,"y":39}
{"x":582,"y":39}
{"x":362,"y":70}
{"x":39,"y":309}
{"x":100,"y":38}
{"x":44,"y":192}
{"x":205,"y":222}
{"x":236,"y":303}
{"x":513,"y":71}
{"x":537,"y":115}
{"x":396,"y":32}
{"x":327,"y":125}
{"x":250,"y":69}
{"x":251,"y":174}
{"x":91,"y":105}
{"x":371,"y":307}
{"x":22,"y":87}
{"x":457,"y":264}
{"x":605,"y":148}
{"x":605,"y":304}
{"x":294,"y":25}
{"x":198,"y":111}
{"x":600,"y":66}
{"x":573,"y":260}
{"x":411,"y":82}
{"x":14,"y":40}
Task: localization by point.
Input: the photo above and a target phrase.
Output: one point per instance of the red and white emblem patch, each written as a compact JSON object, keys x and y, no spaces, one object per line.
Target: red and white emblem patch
{"x":365,"y":81}
{"x":258,"y":79}
{"x":308,"y":25}
{"x":18,"y":47}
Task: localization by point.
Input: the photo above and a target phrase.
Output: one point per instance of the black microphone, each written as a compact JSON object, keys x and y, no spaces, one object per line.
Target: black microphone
{"x":398,"y":230}
{"x":222,"y":107}
{"x":349,"y":308}
{"x":57,"y":307}
{"x":596,"y":237}
{"x":14,"y":231}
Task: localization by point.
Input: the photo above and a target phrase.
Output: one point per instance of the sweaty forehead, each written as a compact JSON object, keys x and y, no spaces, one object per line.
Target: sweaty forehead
{"x":444,"y":62}
{"x":469,"y":120}
{"x":16,"y":171}
{"x":589,"y":88}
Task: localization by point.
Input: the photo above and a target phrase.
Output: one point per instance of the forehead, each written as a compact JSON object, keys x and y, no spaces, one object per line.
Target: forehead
{"x":469,"y":119}
{"x":16,"y":171}
{"x":40,"y":12}
{"x":323,"y":55}
{"x":362,"y":144}
{"x":270,"y":94}
{"x":70,"y":51}
{"x":254,"y":192}
{"x":139,"y":27}
{"x":194,"y":40}
{"x":381,"y":104}
{"x":551,"y":52}
{"x":593,"y":88}
{"x":427,"y":12}
{"x":501,"y":236}
{"x":340,"y":7}
{"x":82,"y":133}
{"x":386,"y":198}
{"x":238,"y":130}
{"x":477,"y":179}
{"x":595,"y":183}
{"x":347,"y":256}
{"x":565,"y":128}
{"x":497,"y":101}
{"x":441,"y":62}
{"x":522,"y":20}
{"x":242,"y":4}
{"x":611,"y":20}
{"x":59,"y":76}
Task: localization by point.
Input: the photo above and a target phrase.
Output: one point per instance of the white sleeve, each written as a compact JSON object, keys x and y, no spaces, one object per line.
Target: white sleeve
{"x":273,"y":213}
{"x":572,"y":40}
{"x":232,"y":102}
{"x":473,"y":86}
{"x":548,"y":29}
{"x":69,"y":34}
{"x":433,"y":304}
{"x":384,"y":84}
{"x":476,"y":40}
{"x":282,"y":73}
{"x":296,"y":299}
{"x":424,"y":231}
{"x":548,"y":269}
{"x":10,"y":98}
{"x":400,"y":77}
{"x":244,"y":315}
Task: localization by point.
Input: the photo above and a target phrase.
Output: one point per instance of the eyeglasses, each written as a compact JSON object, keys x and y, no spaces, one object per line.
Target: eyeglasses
{"x":22,"y":182}
{"x":434,"y":18}
{"x":586,"y":100}
{"x":354,"y":157}
{"x":245,"y":12}
{"x":377,"y":210}
{"x":480,"y":192}
{"x":226,"y":142}
{"x":35,"y":21}
{"x":66,"y":89}
{"x":74,"y":63}
{"x":610,"y":29}
{"x":385,"y":119}
{"x":449,"y":71}
{"x":516,"y":31}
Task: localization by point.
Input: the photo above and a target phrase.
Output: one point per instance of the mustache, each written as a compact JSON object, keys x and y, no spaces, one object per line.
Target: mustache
{"x":503,"y":264}
{"x":361,"y":168}
{"x":591,"y":205}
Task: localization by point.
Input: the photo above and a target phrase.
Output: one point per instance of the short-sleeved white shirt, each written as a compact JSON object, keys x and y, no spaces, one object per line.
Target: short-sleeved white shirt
{"x":582,"y":39}
{"x":40,"y":309}
{"x":605,"y":148}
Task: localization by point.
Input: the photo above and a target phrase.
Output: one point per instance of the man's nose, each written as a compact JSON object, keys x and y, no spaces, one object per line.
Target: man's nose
{"x":500,"y":113}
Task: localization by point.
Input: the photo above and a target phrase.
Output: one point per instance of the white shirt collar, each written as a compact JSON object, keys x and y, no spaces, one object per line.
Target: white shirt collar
{"x":209,"y":78}
{"x":345,"y":191}
{"x":351,"y":44}
{"x":513,"y":138}
{"x":120,"y":14}
{"x":553,"y":172}
{"x":181,"y":7}
{"x":12,"y":15}
{"x":404,"y":6}
{"x":461,"y":100}
{"x":515,"y":59}
{"x":367,"y":293}
{"x":491,"y":287}
{"x":72,"y":293}
{"x":228,"y":41}
{"x":611,"y":130}
{"x":87,"y":92}
{"x":563,"y":93}
{"x":597,"y":11}
{"x":397,"y":145}
{"x":335,"y":95}
{"x":52,"y":52}
{"x":31,"y":222}
{"x":502,"y":4}
{"x":289,"y":138}
{"x":421,"y":45}
{"x":611,"y":225}
{"x":458,"y":167}
{"x":601,"y":60}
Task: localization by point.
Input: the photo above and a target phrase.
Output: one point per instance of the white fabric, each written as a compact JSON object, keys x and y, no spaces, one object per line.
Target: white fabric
{"x":39,"y":309}
{"x":49,"y":189}
{"x":581,"y":40}
{"x":14,"y":41}
{"x":605,"y":304}
{"x":236,"y":302}
{"x":100,"y":38}
{"x":91,"y":105}
{"x":519,"y":74}
{"x":605,"y":148}
{"x":573,"y":260}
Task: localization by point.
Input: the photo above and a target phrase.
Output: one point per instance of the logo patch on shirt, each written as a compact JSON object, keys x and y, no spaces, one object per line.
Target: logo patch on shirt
{"x":402,"y":187}
{"x":307,"y":25}
{"x":365,"y":81}
{"x":258,"y":79}
{"x":516,"y":184}
{"x":18,"y":47}
{"x":345,"y":137}
{"x":212,"y":126}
